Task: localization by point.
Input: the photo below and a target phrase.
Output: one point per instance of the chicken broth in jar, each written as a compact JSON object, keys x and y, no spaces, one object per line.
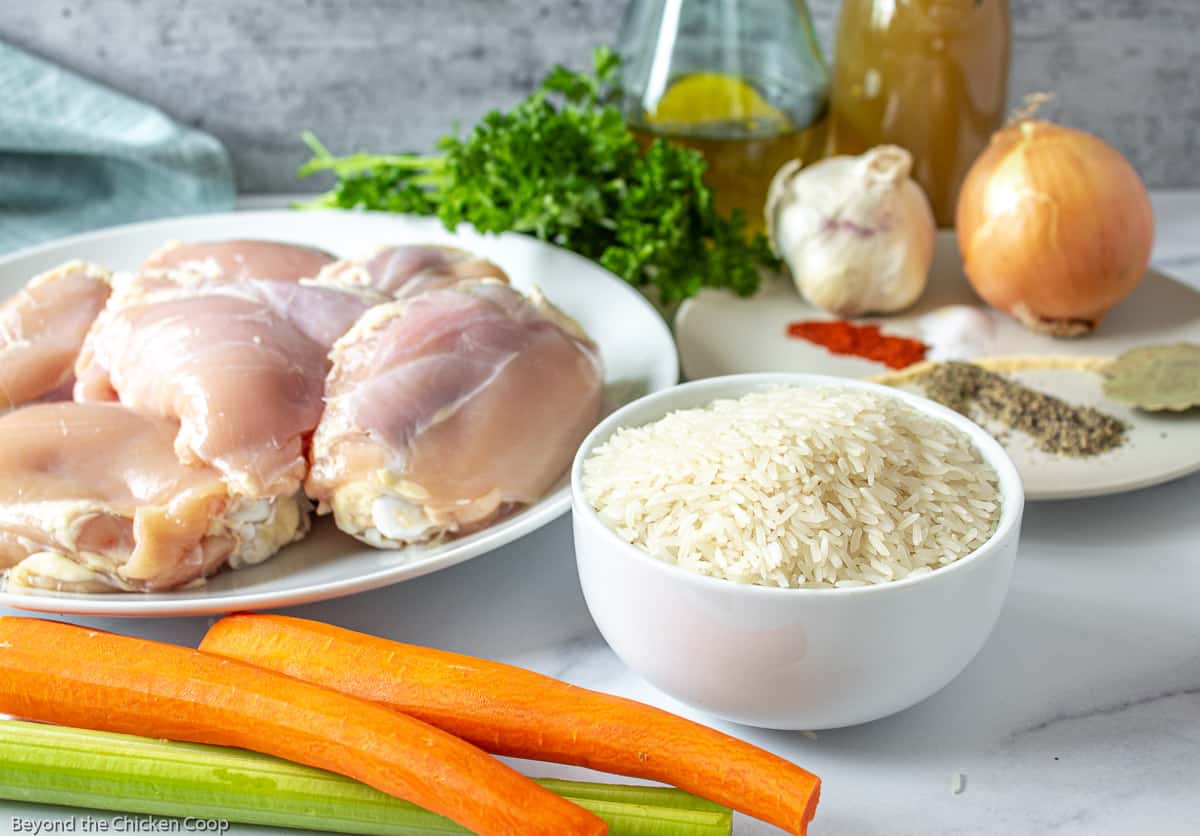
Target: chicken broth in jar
{"x":928,"y":75}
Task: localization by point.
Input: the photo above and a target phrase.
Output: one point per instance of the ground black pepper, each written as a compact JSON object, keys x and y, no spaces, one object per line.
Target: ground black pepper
{"x":1056,"y":426}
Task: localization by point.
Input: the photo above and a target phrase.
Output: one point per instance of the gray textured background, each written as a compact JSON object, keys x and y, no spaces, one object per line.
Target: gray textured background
{"x":396,"y":74}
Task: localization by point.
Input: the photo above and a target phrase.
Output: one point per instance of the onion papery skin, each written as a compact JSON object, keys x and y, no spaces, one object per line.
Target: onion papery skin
{"x":1055,"y":227}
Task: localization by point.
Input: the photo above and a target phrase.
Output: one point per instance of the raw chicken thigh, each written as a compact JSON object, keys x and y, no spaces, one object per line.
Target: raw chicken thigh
{"x":42,"y":328}
{"x":240,"y":364}
{"x":93,"y":498}
{"x":448,"y":409}
{"x":246,"y":259}
{"x":406,"y":270}
{"x":413,"y":393}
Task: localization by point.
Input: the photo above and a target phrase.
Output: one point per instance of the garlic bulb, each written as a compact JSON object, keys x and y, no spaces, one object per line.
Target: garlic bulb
{"x":856,"y":232}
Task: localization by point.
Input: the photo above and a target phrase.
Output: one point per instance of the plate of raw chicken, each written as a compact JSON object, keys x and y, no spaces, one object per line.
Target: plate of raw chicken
{"x":266,"y":408}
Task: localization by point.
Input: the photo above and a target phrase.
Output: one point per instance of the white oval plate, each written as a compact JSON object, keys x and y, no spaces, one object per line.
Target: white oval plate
{"x":636,"y":346}
{"x":719,"y":334}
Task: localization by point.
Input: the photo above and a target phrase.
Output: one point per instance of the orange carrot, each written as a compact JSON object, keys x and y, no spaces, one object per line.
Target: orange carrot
{"x":69,"y":675}
{"x":515,"y":712}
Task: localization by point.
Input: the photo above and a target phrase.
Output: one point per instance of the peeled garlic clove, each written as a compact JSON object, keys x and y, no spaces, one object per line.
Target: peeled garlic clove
{"x":856,"y":233}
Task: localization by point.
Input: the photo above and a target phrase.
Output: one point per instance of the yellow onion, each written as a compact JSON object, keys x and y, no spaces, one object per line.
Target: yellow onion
{"x":1055,"y":227}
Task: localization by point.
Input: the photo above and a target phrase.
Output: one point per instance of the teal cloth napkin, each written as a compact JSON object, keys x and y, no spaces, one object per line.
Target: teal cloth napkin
{"x":75,"y":155}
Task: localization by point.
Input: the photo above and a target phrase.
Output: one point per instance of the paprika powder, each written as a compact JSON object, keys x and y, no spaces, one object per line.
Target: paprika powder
{"x":867,"y":341}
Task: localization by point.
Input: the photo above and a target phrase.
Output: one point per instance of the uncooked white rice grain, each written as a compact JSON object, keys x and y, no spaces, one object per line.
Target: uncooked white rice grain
{"x":794,"y":487}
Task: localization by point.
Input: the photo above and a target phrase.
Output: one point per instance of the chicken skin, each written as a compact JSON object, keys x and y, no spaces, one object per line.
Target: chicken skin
{"x":240,"y":259}
{"x":93,"y":498}
{"x":405,"y":270}
{"x":446,"y":410}
{"x":240,"y":364}
{"x":42,"y":329}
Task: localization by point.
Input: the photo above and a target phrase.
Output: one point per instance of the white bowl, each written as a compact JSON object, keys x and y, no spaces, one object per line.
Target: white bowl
{"x":791,"y":658}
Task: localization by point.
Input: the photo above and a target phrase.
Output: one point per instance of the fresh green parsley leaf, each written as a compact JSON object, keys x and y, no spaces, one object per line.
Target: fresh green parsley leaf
{"x":562,"y":165}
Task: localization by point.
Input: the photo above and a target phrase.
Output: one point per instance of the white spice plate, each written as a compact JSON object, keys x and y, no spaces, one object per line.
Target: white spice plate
{"x":635,"y":345}
{"x":718,"y":334}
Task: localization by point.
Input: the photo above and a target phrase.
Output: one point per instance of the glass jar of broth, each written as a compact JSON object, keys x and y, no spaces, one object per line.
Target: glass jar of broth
{"x":741,"y":81}
{"x":928,"y":75}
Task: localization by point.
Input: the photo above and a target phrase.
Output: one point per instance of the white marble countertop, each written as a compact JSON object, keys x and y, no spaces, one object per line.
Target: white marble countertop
{"x":1081,"y":715}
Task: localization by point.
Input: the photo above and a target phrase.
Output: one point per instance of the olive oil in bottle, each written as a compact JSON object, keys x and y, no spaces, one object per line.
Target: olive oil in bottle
{"x":741,"y":81}
{"x":744,"y":139}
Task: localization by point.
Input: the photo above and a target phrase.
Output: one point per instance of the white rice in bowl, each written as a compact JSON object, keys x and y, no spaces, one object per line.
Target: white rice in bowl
{"x":797,"y":487}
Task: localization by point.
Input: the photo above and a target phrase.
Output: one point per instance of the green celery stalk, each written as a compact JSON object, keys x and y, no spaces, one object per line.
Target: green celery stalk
{"x":99,"y":770}
{"x":619,"y":793}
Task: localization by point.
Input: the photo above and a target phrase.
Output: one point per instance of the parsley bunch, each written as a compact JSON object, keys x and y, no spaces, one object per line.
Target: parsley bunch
{"x":563,"y":166}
